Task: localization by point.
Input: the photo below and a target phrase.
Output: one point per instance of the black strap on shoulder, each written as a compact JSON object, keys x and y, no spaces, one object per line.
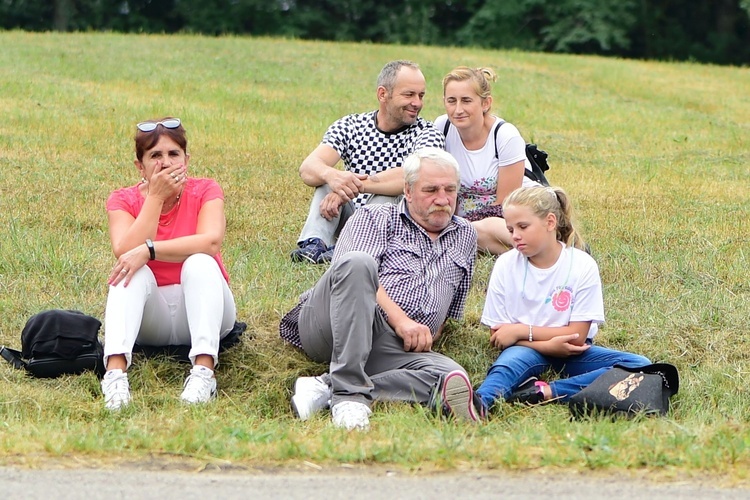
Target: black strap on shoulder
{"x":526,"y":171}
{"x":497,"y":127}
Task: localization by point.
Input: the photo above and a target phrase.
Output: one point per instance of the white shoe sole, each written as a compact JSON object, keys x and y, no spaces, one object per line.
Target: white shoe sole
{"x":457,"y":395}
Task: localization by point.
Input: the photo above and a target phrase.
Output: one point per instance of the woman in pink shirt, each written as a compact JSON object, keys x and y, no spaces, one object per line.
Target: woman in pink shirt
{"x":169,"y":285}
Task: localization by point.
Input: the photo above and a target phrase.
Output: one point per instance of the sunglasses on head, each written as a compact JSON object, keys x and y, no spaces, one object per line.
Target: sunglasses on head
{"x":151,"y":126}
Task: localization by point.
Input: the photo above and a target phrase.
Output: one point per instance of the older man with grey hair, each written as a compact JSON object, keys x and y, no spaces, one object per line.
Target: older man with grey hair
{"x":397,"y":274}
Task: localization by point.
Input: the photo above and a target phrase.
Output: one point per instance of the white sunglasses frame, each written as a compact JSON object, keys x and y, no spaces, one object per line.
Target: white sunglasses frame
{"x":171,"y":123}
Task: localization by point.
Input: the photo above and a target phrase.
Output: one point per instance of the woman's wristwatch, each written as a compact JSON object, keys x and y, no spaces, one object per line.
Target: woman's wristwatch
{"x":151,"y":249}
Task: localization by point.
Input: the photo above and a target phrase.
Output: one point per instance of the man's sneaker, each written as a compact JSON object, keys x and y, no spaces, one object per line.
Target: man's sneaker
{"x":116,"y":389}
{"x":327,"y":256}
{"x":351,"y":415}
{"x":457,"y":397}
{"x":200,"y":385}
{"x":309,"y":250}
{"x":529,"y":392}
{"x":311,"y":394}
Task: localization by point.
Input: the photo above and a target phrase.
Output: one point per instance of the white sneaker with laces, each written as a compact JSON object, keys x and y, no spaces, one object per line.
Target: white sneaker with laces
{"x":311,"y":394}
{"x":200,"y":385}
{"x":351,"y":415}
{"x":116,"y":389}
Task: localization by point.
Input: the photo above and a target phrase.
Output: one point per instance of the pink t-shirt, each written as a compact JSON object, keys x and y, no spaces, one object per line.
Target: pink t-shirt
{"x":172,"y":225}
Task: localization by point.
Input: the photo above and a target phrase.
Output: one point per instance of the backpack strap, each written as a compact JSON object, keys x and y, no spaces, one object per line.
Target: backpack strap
{"x":13,"y":357}
{"x":497,"y":128}
{"x":526,"y":172}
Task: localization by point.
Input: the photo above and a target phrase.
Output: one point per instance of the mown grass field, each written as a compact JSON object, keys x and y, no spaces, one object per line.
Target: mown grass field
{"x":655,"y":155}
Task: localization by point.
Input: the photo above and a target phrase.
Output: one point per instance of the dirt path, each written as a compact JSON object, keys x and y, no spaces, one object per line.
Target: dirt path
{"x":340,"y":483}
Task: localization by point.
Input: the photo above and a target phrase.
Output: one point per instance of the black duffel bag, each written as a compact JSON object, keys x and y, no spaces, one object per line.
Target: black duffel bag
{"x":628,"y":391}
{"x":58,"y":342}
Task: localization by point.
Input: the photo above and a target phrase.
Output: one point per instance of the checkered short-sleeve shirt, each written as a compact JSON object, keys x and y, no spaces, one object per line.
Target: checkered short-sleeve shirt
{"x":365,"y":149}
{"x":429,"y":280}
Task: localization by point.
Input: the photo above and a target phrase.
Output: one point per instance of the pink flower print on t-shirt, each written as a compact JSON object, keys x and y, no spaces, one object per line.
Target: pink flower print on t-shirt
{"x":561,"y":300}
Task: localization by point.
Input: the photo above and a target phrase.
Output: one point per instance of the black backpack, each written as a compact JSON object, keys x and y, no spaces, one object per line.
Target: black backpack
{"x":628,"y":391}
{"x":536,"y":156}
{"x":58,"y":342}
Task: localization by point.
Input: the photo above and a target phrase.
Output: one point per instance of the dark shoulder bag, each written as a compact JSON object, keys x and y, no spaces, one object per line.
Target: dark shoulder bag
{"x":58,"y":342}
{"x":628,"y":391}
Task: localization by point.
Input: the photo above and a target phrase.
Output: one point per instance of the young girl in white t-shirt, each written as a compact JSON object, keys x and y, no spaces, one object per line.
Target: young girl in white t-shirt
{"x":544,"y":305}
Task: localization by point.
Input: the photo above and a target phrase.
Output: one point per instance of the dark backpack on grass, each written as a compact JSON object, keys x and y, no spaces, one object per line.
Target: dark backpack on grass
{"x":628,"y":391}
{"x":537,"y":157}
{"x":58,"y":342}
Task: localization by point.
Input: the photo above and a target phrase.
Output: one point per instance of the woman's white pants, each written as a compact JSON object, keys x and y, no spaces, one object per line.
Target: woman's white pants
{"x":197,"y":312}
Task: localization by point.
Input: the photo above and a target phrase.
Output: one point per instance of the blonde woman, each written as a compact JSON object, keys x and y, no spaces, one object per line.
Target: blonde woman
{"x":490,"y":152}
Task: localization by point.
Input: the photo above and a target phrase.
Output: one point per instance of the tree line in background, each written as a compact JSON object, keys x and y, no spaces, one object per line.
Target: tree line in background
{"x":713,"y":31}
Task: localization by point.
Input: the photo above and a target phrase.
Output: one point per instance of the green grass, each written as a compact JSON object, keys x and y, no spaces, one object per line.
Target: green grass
{"x":654,"y":155}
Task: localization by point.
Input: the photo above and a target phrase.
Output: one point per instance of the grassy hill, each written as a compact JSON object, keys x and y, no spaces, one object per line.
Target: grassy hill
{"x":655,"y":156}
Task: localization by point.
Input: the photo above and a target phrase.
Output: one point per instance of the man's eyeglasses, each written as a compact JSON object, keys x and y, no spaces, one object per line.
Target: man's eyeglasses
{"x":151,"y":126}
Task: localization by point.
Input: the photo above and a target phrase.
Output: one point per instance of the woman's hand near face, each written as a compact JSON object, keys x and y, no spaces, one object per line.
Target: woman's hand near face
{"x":167,"y":183}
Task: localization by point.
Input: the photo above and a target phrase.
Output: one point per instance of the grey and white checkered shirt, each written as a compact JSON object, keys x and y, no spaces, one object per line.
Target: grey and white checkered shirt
{"x":365,"y":149}
{"x":428,"y":279}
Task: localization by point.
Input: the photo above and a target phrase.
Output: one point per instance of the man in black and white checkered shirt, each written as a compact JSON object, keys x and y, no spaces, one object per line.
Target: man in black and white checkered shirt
{"x":398,"y":273}
{"x":372,"y":146}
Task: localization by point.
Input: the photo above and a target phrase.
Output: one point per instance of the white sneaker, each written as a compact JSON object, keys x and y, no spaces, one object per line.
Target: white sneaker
{"x":116,"y":389}
{"x":351,"y":415}
{"x":200,"y":385}
{"x":311,"y":394}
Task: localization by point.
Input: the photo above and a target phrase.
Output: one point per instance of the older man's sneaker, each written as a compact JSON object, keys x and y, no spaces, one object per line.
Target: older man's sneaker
{"x":309,"y":250}
{"x":351,"y":415}
{"x":529,"y":392}
{"x":200,"y":385}
{"x":458,"y":399}
{"x":116,"y":389}
{"x":311,"y":394}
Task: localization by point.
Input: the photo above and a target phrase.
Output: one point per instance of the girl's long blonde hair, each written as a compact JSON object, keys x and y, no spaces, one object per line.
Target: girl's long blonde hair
{"x":543,"y":200}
